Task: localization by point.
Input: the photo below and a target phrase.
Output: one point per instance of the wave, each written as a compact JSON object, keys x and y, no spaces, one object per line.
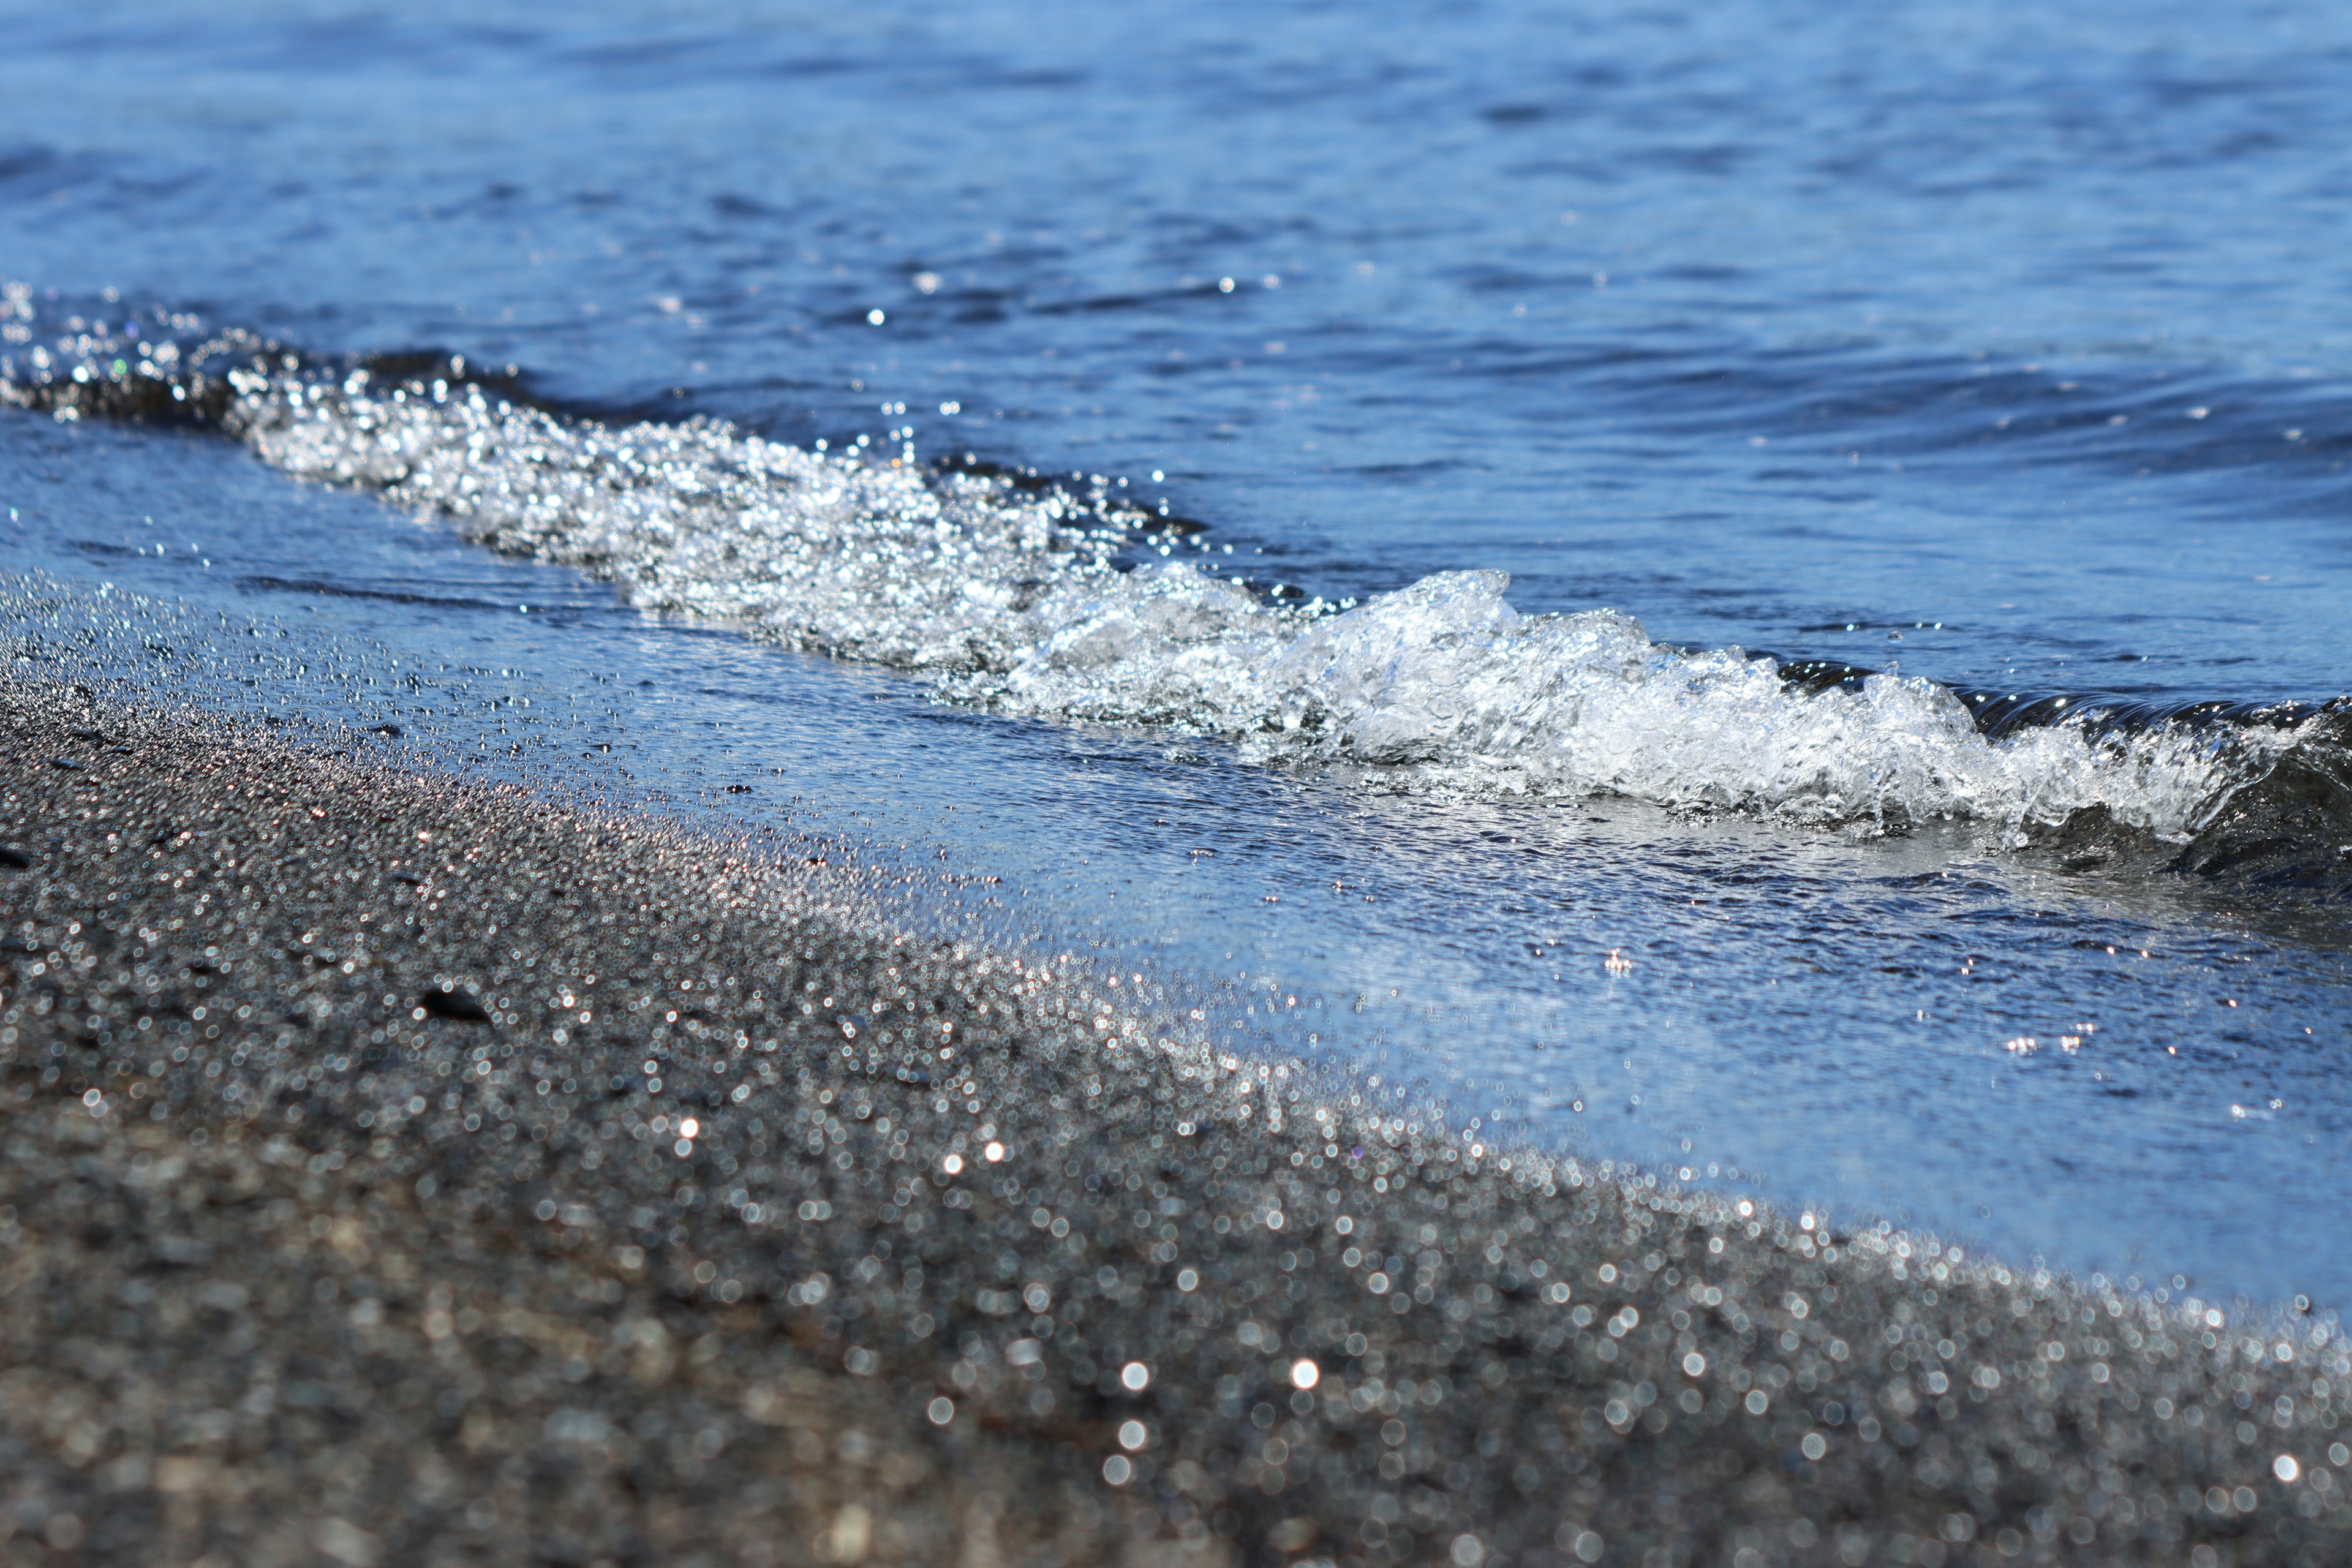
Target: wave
{"x":2135,"y":419}
{"x":1075,"y":603}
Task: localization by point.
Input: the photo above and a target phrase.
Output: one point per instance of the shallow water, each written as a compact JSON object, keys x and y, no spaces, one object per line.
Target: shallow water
{"x":1991,"y":346}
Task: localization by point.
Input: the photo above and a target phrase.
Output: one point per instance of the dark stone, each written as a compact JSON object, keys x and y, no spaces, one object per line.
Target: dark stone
{"x":456,"y":1003}
{"x":14,"y":860}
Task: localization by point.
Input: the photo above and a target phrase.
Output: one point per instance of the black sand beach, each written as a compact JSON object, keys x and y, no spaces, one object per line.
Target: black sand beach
{"x":401,"y":1171}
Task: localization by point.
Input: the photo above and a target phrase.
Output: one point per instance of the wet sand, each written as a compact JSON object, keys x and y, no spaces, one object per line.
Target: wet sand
{"x":404,"y":1171}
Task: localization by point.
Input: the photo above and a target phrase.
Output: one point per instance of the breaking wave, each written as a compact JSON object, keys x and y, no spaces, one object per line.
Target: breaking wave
{"x":1076,"y":604}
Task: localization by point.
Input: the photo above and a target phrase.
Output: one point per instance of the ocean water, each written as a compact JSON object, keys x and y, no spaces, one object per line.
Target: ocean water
{"x":1750,"y":591}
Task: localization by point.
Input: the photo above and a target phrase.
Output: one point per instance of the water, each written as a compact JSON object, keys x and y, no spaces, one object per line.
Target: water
{"x":1986,"y":349}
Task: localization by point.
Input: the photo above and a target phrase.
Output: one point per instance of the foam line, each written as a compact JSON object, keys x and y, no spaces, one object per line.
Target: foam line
{"x":1032,"y":601}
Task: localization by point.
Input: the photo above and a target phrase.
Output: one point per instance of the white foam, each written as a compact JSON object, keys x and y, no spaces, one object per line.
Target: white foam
{"x":1015,"y":600}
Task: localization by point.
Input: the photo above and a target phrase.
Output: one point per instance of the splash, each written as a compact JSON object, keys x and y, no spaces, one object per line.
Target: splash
{"x":1075,"y":605}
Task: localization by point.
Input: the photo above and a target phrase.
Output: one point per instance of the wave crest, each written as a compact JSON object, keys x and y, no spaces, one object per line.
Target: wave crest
{"x":1071,"y":604}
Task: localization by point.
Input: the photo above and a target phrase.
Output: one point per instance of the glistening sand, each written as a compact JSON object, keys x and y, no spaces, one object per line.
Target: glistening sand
{"x":294,"y":1271}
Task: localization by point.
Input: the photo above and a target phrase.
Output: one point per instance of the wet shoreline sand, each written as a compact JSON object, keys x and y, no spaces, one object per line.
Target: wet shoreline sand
{"x":708,"y":1219}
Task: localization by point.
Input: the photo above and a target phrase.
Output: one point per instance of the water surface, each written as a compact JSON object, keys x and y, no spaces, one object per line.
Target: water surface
{"x":1999,"y":345}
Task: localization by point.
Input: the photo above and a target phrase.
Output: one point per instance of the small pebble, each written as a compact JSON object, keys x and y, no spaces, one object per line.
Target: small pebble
{"x":453,"y":1003}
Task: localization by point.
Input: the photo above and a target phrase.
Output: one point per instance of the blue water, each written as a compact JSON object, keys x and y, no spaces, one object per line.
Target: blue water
{"x":2000,"y":345}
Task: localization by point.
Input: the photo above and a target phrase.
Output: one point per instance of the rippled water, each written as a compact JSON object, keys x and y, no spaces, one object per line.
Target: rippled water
{"x":1982,"y":349}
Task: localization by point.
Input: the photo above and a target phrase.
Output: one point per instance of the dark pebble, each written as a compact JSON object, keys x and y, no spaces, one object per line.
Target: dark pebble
{"x":14,"y":860}
{"x":460,"y":1006}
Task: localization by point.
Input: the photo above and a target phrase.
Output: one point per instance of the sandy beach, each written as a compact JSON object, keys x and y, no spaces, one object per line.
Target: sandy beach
{"x":403,"y":1171}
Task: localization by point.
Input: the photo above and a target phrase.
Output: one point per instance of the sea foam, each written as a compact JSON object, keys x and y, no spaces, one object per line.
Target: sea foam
{"x":1077,"y":605}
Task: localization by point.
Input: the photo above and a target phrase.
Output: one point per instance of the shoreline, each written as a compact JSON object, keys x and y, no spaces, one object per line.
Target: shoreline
{"x":723,"y":1338}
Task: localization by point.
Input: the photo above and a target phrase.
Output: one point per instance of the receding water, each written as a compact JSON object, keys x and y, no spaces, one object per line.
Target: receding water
{"x":1995,"y":347}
